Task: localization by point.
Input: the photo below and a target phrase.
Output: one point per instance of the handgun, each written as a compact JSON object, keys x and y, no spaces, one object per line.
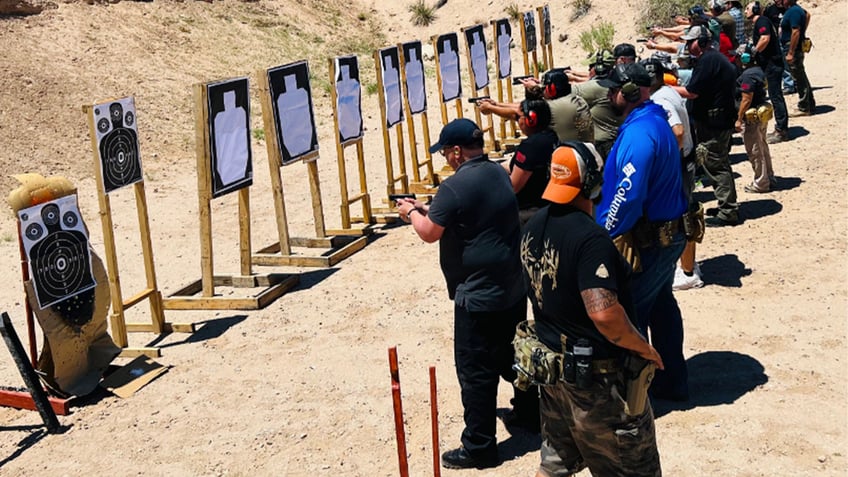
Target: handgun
{"x":518,"y":79}
{"x":477,"y":99}
{"x":642,"y":40}
{"x":398,"y":197}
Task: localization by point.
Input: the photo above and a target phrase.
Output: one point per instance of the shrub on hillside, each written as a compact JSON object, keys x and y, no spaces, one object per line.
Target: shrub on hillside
{"x":581,"y":7}
{"x":422,"y":14}
{"x":662,"y":12}
{"x":513,"y":12}
{"x":600,"y":36}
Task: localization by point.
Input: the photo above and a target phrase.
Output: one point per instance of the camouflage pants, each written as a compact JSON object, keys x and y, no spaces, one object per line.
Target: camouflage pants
{"x":588,"y":428}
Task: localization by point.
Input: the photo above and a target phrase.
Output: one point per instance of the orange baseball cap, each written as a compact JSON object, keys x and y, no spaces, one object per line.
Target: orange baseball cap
{"x":568,"y":169}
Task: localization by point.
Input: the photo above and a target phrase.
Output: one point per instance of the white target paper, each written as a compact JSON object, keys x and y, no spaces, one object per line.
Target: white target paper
{"x":229,"y":133}
{"x":56,"y":246}
{"x":117,"y":143}
{"x":389,"y":67}
{"x":476,"y":43}
{"x":447,"y":47}
{"x":529,"y":32}
{"x":348,"y":98}
{"x":294,"y":120}
{"x":504,"y":30}
{"x":416,"y":92}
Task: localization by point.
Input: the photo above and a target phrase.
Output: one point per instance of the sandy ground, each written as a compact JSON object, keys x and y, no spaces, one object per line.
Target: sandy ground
{"x":302,"y":387}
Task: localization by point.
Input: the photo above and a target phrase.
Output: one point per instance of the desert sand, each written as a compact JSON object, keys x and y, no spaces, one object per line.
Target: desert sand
{"x":302,"y":387}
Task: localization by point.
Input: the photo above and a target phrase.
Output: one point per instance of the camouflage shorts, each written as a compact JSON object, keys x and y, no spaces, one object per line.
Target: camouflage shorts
{"x":588,"y":428}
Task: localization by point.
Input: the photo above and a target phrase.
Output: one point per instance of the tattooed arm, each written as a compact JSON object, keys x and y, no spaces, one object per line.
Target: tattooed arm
{"x":611,"y":320}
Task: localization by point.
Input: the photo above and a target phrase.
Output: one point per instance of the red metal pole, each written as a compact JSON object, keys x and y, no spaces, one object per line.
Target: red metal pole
{"x":434,"y":418}
{"x":398,"y":408}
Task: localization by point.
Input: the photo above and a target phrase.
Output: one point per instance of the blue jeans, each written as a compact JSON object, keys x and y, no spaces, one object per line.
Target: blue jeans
{"x":788,"y":81}
{"x":657,"y":312}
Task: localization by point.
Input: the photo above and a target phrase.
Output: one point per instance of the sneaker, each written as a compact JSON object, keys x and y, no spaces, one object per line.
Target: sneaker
{"x":799,"y":113}
{"x":460,"y":458}
{"x":685,"y":282}
{"x":720,"y":222}
{"x":777,"y":136}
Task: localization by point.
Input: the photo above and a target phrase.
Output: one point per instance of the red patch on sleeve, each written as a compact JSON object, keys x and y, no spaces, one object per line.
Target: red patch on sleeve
{"x":763,"y":30}
{"x":745,"y":86}
{"x":519,"y":157}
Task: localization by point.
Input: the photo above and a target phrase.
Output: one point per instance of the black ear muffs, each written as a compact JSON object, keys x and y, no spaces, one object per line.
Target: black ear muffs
{"x":704,"y":37}
{"x":530,"y":116}
{"x":593,"y":178}
{"x":756,"y":9}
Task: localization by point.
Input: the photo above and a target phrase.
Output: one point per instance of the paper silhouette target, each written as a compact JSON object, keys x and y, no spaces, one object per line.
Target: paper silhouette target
{"x":56,"y":246}
{"x":416,"y":92}
{"x":504,"y":38}
{"x":447,"y":47}
{"x":229,"y":133}
{"x":117,"y":144}
{"x":529,"y":32}
{"x":390,"y":69}
{"x":546,"y":26}
{"x":348,"y":98}
{"x":294,"y":119}
{"x":475,"y":40}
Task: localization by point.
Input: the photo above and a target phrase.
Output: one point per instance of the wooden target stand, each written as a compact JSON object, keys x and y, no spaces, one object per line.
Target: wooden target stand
{"x":280,"y":253}
{"x":445,"y":171}
{"x":509,"y":134}
{"x":275,"y":285}
{"x":492,"y":146}
{"x":545,"y":41}
{"x":151,"y":293}
{"x":527,"y":54}
{"x":430,"y":181}
{"x":350,"y":225}
{"x":388,"y":214}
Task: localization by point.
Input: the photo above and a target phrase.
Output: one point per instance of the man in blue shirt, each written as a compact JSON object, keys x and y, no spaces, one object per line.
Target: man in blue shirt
{"x":642,"y":202}
{"x":793,"y":32}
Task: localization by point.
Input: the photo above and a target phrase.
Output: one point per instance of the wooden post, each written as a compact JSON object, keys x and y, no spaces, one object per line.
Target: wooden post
{"x":391,"y":178}
{"x":204,"y":189}
{"x":397,"y":402}
{"x":419,"y":184}
{"x":493,"y":148}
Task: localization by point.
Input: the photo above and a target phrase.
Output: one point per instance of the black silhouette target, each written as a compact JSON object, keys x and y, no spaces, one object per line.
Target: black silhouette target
{"x":120,"y":161}
{"x":57,"y":250}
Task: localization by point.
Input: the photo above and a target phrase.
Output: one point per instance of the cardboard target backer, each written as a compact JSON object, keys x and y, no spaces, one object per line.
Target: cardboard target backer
{"x":447,"y":47}
{"x":546,"y":26}
{"x":390,"y":69}
{"x":294,"y":119}
{"x":56,"y":244}
{"x":229,"y":134}
{"x":503,"y":40}
{"x":529,"y":32}
{"x":475,"y":40}
{"x":117,"y":143}
{"x":416,"y":92}
{"x":348,"y":98}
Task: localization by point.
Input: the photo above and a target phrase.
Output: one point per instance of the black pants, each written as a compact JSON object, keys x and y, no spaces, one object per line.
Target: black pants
{"x":483,"y":353}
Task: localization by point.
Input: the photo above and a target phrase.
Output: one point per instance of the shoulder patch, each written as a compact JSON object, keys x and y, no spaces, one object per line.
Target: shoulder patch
{"x":602,"y":271}
{"x":520,"y":157}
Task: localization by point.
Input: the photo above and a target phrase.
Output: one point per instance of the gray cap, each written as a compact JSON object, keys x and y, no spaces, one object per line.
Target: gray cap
{"x":696,"y":32}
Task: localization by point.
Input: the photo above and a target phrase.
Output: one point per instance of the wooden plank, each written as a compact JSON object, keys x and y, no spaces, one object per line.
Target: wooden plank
{"x":317,"y":203}
{"x":204,"y":187}
{"x":167,"y":327}
{"x":150,"y":352}
{"x":156,"y":313}
{"x":129,"y":302}
{"x":244,"y":231}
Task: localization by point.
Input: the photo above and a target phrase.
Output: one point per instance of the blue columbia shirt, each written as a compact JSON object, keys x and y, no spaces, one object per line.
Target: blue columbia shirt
{"x":642,"y":176}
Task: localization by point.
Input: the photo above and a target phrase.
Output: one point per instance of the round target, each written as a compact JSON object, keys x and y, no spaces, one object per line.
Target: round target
{"x":70,"y":220}
{"x":61,"y":266}
{"x":119,"y":159}
{"x":103,"y":125}
{"x":50,"y":214}
{"x":129,"y":118}
{"x":34,"y":231}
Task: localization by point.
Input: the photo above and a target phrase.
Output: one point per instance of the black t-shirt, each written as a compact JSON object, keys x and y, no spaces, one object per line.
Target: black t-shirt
{"x":565,"y":252}
{"x":478,"y":251}
{"x":774,"y":14}
{"x":533,"y":155}
{"x":771,"y":55}
{"x":752,"y":80}
{"x":714,"y":81}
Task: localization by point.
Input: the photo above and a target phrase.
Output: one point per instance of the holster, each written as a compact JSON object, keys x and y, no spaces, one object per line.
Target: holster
{"x":627,"y":249}
{"x":806,"y":45}
{"x":535,"y":363}
{"x":765,"y":112}
{"x":694,"y":223}
{"x":648,"y":234}
{"x":638,"y":374}
{"x":751,"y":116}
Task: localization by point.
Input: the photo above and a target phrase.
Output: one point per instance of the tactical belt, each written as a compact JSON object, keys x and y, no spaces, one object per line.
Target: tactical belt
{"x":647,"y":234}
{"x":605,"y":366}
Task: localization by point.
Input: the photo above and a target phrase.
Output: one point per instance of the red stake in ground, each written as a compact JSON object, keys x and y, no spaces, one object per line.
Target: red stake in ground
{"x":398,"y":406}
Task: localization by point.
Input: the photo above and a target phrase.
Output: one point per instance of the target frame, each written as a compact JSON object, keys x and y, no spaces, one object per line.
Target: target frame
{"x":229,"y":135}
{"x":117,"y":146}
{"x":278,"y":87}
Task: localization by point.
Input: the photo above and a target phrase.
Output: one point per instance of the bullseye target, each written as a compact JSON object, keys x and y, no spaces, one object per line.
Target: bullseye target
{"x":117,"y":139}
{"x":56,"y":245}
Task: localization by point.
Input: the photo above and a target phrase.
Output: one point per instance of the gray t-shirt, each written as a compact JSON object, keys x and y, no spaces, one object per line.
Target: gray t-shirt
{"x":675,"y":107}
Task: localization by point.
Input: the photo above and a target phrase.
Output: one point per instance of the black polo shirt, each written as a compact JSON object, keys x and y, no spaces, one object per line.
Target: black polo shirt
{"x":533,"y":155}
{"x":714,"y":81}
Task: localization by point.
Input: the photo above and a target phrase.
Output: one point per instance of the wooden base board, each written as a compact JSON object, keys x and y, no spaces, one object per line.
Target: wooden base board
{"x":423,"y":188}
{"x":148,"y":351}
{"x":359,"y":229}
{"x":276,"y":285}
{"x":341,"y":248}
{"x":23,"y":400}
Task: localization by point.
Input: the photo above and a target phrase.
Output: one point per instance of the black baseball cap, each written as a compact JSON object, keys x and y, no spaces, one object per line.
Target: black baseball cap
{"x":459,"y":132}
{"x":627,"y":73}
{"x":624,"y":49}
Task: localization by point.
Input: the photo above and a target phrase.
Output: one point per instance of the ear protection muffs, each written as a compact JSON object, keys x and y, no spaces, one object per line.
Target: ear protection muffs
{"x":756,"y":9}
{"x":530,"y":116}
{"x":704,"y":37}
{"x":593,"y":178}
{"x":550,"y":90}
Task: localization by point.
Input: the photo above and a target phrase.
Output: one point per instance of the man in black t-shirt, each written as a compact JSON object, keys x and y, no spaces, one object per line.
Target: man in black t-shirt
{"x":713,"y":110}
{"x":751,"y":92}
{"x":474,"y":217}
{"x":768,"y":57}
{"x":579,"y":289}
{"x":528,"y":168}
